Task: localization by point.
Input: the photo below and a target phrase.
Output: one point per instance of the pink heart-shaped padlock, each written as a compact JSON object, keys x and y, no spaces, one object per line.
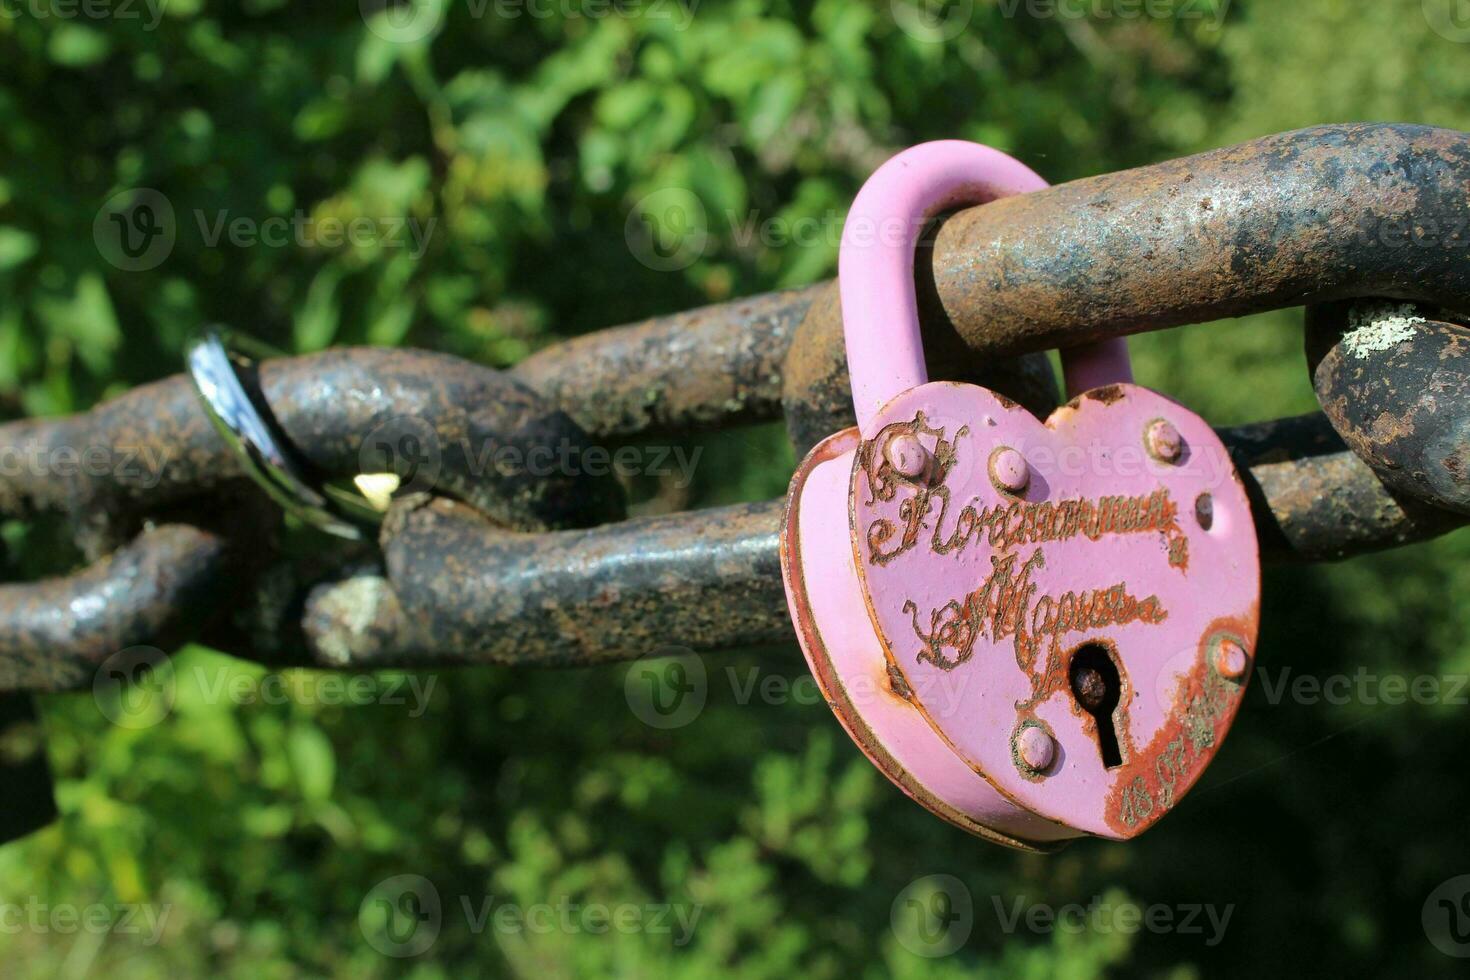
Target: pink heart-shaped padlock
{"x":1037,"y":630}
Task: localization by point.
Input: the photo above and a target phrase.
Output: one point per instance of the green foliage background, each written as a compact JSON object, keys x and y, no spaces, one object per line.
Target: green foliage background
{"x":529,"y":140}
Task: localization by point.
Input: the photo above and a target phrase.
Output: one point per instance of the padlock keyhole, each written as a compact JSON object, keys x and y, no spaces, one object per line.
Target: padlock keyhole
{"x":1098,"y":688}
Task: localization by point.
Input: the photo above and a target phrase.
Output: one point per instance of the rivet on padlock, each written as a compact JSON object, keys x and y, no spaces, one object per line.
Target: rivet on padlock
{"x":1038,"y":630}
{"x":907,"y":456}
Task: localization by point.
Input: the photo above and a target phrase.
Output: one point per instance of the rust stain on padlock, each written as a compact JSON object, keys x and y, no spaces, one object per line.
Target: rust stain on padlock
{"x":1151,"y":781}
{"x":1107,"y":394}
{"x":894,"y":683}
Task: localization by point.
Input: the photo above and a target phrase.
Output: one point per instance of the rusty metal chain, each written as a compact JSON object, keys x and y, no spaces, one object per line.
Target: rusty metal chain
{"x":493,"y":564}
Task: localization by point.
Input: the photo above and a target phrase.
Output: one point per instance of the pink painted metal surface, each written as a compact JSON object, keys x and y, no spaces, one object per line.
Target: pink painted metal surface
{"x":846,"y":657}
{"x":984,"y":599}
{"x":1036,"y":629}
{"x":875,"y":267}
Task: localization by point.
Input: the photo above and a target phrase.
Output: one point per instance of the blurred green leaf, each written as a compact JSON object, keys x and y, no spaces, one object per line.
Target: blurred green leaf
{"x":16,"y":247}
{"x":78,"y":46}
{"x":85,"y":317}
{"x":317,"y":320}
{"x":313,"y":762}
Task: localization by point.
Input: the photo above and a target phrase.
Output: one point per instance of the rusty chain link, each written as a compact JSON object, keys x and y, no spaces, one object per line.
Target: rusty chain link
{"x":519,"y":565}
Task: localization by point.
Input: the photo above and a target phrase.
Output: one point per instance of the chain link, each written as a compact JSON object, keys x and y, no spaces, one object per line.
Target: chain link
{"x":489,"y":556}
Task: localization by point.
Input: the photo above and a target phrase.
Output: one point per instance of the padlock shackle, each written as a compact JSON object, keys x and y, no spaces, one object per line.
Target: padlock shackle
{"x":875,"y":268}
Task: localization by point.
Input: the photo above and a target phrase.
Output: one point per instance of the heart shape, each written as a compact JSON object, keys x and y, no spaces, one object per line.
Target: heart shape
{"x":999,"y":608}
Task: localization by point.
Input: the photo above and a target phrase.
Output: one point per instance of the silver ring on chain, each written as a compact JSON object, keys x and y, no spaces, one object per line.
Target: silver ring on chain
{"x":214,"y":363}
